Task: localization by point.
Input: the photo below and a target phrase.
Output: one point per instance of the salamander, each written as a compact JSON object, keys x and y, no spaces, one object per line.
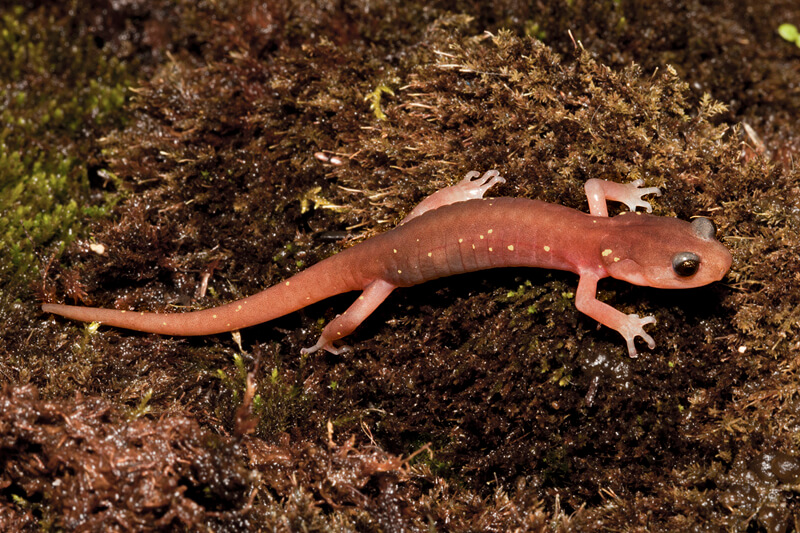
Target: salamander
{"x":457,"y":230}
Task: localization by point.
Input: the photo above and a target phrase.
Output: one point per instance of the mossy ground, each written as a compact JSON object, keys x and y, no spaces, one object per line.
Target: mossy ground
{"x":149,"y":145}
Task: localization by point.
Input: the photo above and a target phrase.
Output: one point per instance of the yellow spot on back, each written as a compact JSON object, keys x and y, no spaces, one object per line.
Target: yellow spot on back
{"x":123,"y":311}
{"x":490,"y":249}
{"x":473,"y":246}
{"x":460,"y":241}
{"x":238,"y":308}
{"x":399,"y":271}
{"x":607,"y":252}
{"x":430,"y":254}
{"x":394,"y":250}
{"x":491,"y":230}
{"x":511,"y":247}
{"x":616,"y":259}
{"x":546,"y":248}
{"x":163,"y":323}
{"x":287,"y":283}
{"x":481,"y":236}
{"x":360,"y":297}
{"x":213,"y":316}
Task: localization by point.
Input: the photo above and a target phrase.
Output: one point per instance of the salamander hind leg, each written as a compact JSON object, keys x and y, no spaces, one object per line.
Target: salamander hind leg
{"x":466,"y":189}
{"x":470,"y":189}
{"x":374,"y":294}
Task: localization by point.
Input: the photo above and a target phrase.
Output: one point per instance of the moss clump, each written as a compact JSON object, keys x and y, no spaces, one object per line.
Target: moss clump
{"x":525,"y":402}
{"x":56,"y":92}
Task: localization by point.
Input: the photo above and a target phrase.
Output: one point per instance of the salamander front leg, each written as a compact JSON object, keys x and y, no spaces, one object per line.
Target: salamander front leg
{"x":344,"y":324}
{"x":629,"y":326}
{"x":600,"y":191}
{"x":466,"y":189}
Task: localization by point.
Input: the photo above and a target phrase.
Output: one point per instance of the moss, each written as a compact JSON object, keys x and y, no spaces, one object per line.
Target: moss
{"x":532,"y":410}
{"x":789,"y":33}
{"x":374,"y":99}
{"x":55,"y":91}
{"x":275,"y":401}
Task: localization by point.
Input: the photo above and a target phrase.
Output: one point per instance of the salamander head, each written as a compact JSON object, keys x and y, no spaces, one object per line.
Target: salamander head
{"x":664,"y":252}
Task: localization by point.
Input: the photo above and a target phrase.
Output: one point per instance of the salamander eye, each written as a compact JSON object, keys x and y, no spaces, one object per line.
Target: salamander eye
{"x":685,"y":264}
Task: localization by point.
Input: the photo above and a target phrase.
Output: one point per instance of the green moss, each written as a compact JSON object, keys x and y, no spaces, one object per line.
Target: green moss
{"x":277,"y":402}
{"x":374,"y":99}
{"x":789,"y":33}
{"x":55,"y":93}
{"x":143,"y":408}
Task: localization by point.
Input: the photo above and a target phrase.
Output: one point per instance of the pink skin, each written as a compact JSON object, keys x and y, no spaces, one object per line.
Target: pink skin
{"x":456,"y":230}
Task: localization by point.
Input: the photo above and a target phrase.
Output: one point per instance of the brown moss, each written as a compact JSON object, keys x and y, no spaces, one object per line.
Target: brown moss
{"x":80,"y":465}
{"x":531,"y":411}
